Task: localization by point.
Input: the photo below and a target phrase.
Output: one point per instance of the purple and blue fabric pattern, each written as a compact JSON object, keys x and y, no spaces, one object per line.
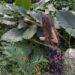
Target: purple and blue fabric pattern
{"x":55,"y":61}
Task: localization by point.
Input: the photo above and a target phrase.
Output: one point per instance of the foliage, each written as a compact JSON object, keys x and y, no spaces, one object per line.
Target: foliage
{"x":25,"y":3}
{"x":21,"y":51}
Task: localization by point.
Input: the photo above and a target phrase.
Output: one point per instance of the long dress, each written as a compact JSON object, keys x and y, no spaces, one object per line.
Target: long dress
{"x":55,"y":57}
{"x":52,"y":40}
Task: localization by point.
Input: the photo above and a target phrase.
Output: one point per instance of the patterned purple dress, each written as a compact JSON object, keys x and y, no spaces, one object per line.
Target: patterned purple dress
{"x":51,"y":38}
{"x":55,"y":61}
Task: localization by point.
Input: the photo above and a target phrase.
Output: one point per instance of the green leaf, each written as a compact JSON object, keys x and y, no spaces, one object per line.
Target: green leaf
{"x":6,"y":16}
{"x":66,"y":20}
{"x":70,"y":31}
{"x":7,"y":22}
{"x":40,"y":4}
{"x":22,"y":25}
{"x":29,"y":33}
{"x":22,"y":11}
{"x":25,"y":48}
{"x":13,"y":35}
{"x":24,"y":3}
{"x":36,"y":16}
{"x":5,"y":11}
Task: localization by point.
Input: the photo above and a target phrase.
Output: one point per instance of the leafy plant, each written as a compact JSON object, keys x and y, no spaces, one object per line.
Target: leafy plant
{"x":21,"y":51}
{"x":24,"y":3}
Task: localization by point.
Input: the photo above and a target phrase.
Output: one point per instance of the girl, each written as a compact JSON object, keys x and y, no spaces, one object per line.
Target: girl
{"x":51,"y":39}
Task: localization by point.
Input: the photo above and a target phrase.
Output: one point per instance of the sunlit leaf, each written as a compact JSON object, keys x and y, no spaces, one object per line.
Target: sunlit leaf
{"x":7,"y":22}
{"x":22,"y":25}
{"x":12,"y":35}
{"x":29,"y":33}
{"x":22,"y":11}
{"x":66,"y":20}
{"x":36,"y":16}
{"x":24,"y":3}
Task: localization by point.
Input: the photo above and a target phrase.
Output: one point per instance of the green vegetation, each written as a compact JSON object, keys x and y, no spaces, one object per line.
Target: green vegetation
{"x":21,"y":51}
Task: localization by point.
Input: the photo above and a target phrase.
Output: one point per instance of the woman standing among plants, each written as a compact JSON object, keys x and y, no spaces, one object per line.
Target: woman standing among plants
{"x":52,"y":40}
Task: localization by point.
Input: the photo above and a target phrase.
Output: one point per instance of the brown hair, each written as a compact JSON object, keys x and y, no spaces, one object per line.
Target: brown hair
{"x":48,"y":24}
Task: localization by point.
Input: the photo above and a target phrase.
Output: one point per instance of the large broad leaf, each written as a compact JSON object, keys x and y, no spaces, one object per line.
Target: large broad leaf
{"x":8,"y":9}
{"x":12,"y":35}
{"x":51,"y":7}
{"x":29,"y":33}
{"x":24,"y":3}
{"x":6,"y":16}
{"x":21,"y":10}
{"x":7,"y":22}
{"x":36,"y":16}
{"x":40,"y":4}
{"x":3,"y":11}
{"x":66,"y":20}
{"x":71,"y":31}
{"x":61,"y":20}
{"x":22,"y":25}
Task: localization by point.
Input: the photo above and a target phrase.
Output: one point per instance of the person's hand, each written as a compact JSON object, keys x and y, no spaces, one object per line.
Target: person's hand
{"x":42,"y":38}
{"x":39,"y":23}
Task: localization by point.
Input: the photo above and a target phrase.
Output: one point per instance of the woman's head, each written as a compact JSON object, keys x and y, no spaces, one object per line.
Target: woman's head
{"x":48,"y":24}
